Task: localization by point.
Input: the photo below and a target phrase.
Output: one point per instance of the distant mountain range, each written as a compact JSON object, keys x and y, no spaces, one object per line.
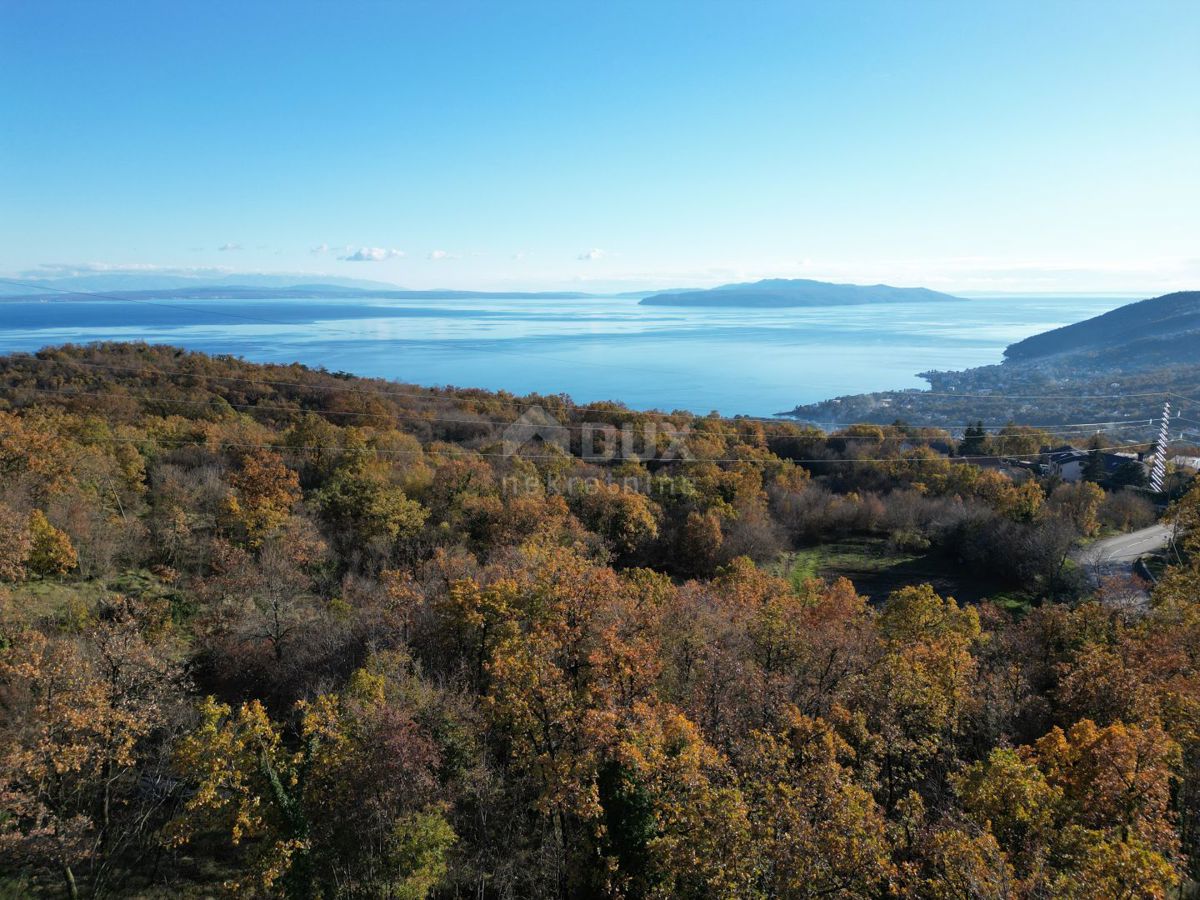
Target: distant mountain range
{"x":776,"y":292}
{"x":1115,"y":367}
{"x":152,"y":281}
{"x":783,"y":292}
{"x":328,"y":291}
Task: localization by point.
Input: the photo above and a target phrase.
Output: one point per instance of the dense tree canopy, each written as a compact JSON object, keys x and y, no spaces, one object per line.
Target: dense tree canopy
{"x":280,"y":632}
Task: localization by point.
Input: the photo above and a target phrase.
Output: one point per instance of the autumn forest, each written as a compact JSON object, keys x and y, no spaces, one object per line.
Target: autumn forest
{"x":273,"y":631}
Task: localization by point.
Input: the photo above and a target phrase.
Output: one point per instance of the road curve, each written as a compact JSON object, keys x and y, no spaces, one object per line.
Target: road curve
{"x":1116,"y":555}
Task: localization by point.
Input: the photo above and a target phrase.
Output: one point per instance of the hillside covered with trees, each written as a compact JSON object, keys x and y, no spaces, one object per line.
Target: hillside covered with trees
{"x":279,"y":632}
{"x":1171,"y":321}
{"x":1119,"y":366}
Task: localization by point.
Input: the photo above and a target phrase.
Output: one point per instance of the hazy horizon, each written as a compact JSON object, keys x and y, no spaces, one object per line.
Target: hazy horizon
{"x":142,"y":280}
{"x":734,"y":360}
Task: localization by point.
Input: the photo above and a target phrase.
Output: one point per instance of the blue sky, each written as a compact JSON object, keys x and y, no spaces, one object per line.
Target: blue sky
{"x":960,"y":145}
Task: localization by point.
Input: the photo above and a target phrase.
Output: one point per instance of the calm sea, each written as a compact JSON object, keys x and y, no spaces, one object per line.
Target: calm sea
{"x":756,"y":362}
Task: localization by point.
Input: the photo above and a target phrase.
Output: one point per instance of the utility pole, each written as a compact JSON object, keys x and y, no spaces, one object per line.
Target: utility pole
{"x":1158,"y":469}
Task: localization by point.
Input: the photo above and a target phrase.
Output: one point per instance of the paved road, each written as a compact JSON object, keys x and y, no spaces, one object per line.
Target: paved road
{"x":1116,"y":555}
{"x":1123,"y":550}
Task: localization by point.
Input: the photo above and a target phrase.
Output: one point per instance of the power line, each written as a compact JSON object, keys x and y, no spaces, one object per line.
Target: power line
{"x":250,"y":407}
{"x":917,"y":392}
{"x":286,"y":448}
{"x":419,"y":394}
{"x":426,"y":395}
{"x":1067,"y":430}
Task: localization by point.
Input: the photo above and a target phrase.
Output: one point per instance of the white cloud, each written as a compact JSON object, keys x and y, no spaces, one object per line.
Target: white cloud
{"x":372,"y":254}
{"x":320,"y":249}
{"x":441,"y":254}
{"x":230,"y":246}
{"x":594,"y":253}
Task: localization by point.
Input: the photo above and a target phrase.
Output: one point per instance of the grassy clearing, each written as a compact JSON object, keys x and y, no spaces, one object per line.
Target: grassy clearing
{"x":876,"y":569}
{"x":1016,"y":602}
{"x":849,"y":558}
{"x":65,"y":600}
{"x":48,"y":599}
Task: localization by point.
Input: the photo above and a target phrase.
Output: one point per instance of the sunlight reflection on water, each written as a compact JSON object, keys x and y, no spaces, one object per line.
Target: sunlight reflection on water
{"x":756,"y":362}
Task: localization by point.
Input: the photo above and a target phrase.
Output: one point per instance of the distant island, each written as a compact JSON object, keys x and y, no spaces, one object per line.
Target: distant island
{"x":1114,"y":367}
{"x":765,"y":294}
{"x":784,"y":292}
{"x":243,"y":286}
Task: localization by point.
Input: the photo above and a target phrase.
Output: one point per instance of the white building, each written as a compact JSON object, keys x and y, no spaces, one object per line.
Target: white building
{"x":1186,"y":462}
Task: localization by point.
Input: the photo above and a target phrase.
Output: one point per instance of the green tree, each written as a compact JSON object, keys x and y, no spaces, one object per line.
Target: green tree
{"x":50,"y":552}
{"x":623,"y":517}
{"x":352,"y":804}
{"x":974,"y":442}
{"x":366,"y":510}
{"x":1129,"y":474}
